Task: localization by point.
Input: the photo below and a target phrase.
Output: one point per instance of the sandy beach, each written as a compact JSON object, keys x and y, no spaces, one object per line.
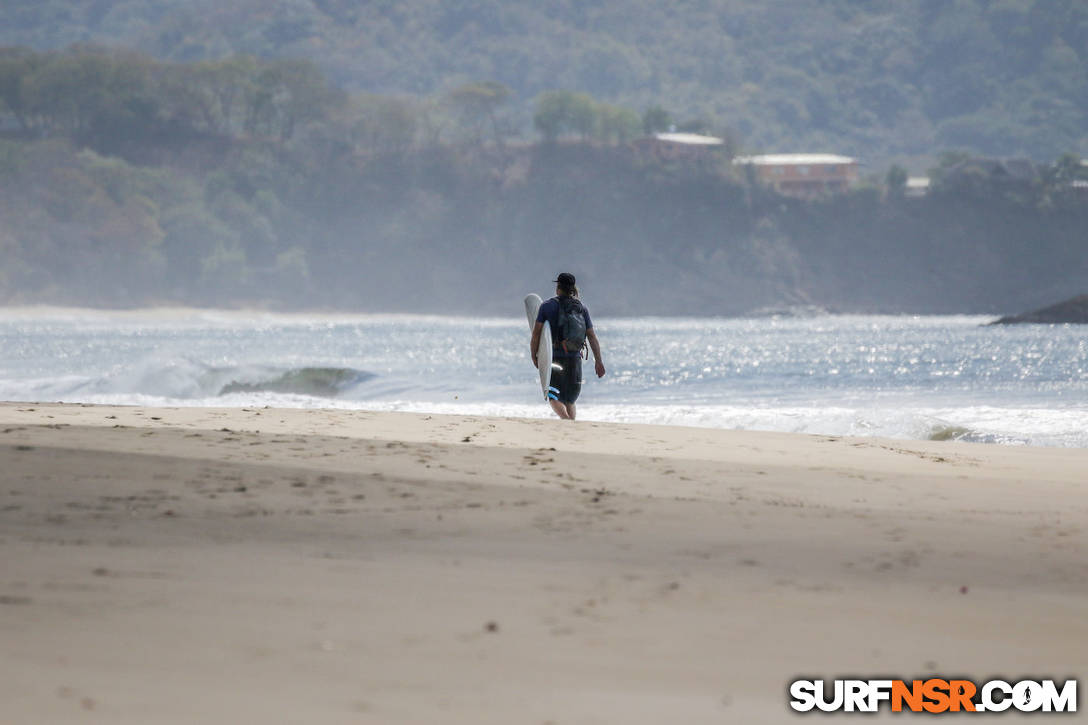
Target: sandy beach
{"x":269,"y":565}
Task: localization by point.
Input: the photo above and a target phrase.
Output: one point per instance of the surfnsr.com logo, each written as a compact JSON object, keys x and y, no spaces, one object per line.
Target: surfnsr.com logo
{"x":934,"y":696}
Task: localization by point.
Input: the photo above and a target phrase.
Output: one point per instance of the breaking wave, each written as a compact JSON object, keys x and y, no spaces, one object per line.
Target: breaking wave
{"x":187,"y":380}
{"x":320,"y":382}
{"x":937,"y":378}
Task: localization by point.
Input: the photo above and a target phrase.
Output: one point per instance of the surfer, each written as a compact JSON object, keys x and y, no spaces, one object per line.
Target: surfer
{"x":567,"y":370}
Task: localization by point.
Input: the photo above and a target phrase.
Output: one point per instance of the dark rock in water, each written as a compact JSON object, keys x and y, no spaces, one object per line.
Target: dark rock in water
{"x":323,"y":382}
{"x":1071,"y":311}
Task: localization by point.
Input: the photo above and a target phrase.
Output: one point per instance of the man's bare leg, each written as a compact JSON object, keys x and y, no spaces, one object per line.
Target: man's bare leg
{"x":570,"y":411}
{"x":561,"y":409}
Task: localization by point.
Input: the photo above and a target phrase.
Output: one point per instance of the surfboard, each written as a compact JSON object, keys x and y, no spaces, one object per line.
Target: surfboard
{"x":544,"y":348}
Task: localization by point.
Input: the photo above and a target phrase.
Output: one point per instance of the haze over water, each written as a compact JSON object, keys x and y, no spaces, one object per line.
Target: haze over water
{"x":905,"y":377}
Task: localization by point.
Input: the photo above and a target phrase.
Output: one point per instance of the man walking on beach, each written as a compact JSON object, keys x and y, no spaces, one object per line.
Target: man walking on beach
{"x":556,"y":312}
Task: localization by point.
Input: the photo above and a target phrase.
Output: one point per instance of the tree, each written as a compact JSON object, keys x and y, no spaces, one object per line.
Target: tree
{"x":211,"y":94}
{"x":16,"y":65}
{"x":550,"y":116}
{"x":384,"y":124}
{"x":300,"y":93}
{"x":281,"y":94}
{"x":694,"y":125}
{"x":102,"y":97}
{"x":617,"y":124}
{"x":565,"y":112}
{"x":896,"y":180}
{"x":583,"y":114}
{"x":1068,"y":168}
{"x":230,"y":83}
{"x":946,"y":161}
{"x":477,"y":105}
{"x":656,"y":120}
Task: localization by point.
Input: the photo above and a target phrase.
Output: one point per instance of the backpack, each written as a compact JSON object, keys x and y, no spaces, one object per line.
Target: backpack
{"x":572,"y":325}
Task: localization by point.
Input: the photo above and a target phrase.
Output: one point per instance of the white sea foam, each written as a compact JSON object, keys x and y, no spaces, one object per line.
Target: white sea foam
{"x":905,"y":377}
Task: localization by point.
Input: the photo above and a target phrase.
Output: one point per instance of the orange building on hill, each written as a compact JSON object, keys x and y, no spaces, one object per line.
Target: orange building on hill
{"x":803,"y":175}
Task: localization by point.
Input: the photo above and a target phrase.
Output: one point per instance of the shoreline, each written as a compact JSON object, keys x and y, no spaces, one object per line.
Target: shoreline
{"x":901,"y":377}
{"x":941,"y":431}
{"x":185,"y":564}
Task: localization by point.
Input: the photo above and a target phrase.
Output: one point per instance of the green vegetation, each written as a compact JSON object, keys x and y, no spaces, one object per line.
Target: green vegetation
{"x":99,"y":96}
{"x":244,"y":181}
{"x":876,"y":80}
{"x":564,"y":113}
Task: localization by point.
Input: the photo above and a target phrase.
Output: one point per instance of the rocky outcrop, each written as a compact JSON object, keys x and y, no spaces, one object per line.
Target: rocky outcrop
{"x":1074,"y":310}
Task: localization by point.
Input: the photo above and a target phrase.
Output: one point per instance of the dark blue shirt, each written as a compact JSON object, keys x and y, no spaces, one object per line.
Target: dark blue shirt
{"x":549,"y":311}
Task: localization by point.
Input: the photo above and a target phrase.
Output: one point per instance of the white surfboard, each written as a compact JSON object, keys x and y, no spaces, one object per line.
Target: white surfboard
{"x":544,"y":348}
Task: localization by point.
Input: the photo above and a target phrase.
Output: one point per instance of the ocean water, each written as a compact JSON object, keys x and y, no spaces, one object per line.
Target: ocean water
{"x":904,"y":377}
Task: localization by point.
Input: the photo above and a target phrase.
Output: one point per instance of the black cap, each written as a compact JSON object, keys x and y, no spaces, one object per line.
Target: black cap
{"x":565,"y":279}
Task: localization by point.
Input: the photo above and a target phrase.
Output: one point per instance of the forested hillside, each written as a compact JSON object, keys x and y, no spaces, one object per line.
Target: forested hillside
{"x":436,"y":156}
{"x":127,"y":181}
{"x":878,"y":80}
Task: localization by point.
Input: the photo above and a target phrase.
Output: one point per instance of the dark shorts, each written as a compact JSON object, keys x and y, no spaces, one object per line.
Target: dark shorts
{"x":567,"y":381}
